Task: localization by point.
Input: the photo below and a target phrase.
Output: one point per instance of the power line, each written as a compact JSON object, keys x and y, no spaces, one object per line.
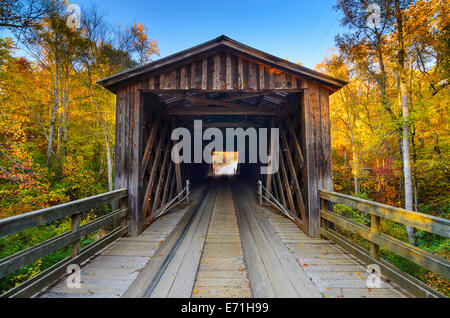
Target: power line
{"x":321,"y":39}
{"x":317,"y":19}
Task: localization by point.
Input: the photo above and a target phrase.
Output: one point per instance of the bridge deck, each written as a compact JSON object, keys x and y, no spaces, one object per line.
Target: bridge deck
{"x":225,"y":246}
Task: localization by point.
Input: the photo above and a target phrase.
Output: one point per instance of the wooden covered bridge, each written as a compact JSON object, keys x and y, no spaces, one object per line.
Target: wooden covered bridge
{"x":177,"y":231}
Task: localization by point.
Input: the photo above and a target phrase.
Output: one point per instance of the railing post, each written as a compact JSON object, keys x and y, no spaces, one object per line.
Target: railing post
{"x":260,"y":192}
{"x":375,"y":227}
{"x":323,"y":207}
{"x":187,"y":191}
{"x":123,"y":204}
{"x":76,"y":246}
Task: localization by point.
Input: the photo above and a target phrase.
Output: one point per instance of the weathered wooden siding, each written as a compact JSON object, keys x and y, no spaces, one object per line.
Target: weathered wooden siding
{"x":315,"y":122}
{"x":128,"y":150}
{"x":221,"y":72}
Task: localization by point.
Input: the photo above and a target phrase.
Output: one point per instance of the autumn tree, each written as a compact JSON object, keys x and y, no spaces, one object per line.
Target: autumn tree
{"x":22,"y":14}
{"x":143,"y":45}
{"x":366,"y":45}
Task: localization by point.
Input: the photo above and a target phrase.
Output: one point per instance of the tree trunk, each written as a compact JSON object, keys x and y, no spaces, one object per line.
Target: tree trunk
{"x":407,"y":160}
{"x":53,"y":118}
{"x":109,"y":164}
{"x":405,"y":111}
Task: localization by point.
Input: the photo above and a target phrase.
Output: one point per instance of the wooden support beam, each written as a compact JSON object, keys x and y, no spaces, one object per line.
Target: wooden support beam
{"x":162,"y":174}
{"x":134,"y":161}
{"x":294,"y":138}
{"x":238,"y":91}
{"x":280,"y":189}
{"x":229,"y":124}
{"x":173,"y":186}
{"x":315,"y":125}
{"x":235,"y":98}
{"x":286,"y":183}
{"x":148,"y":192}
{"x":150,"y":142}
{"x":290,"y":164}
{"x":269,"y":173}
{"x":167,"y":184}
{"x":176,"y":158}
{"x":205,"y":100}
{"x":274,"y":187}
{"x":205,"y":111}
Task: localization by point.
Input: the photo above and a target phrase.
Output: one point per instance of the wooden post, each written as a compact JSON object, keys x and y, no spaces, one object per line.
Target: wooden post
{"x":375,"y":227}
{"x":128,"y":167}
{"x":76,"y":246}
{"x":324,"y":207}
{"x":122,"y":205}
{"x":280,"y":188}
{"x":287,"y":185}
{"x":269,"y":173}
{"x":316,"y":141}
{"x":290,"y":164}
{"x":260,"y":192}
{"x":152,"y":178}
{"x":177,"y":165}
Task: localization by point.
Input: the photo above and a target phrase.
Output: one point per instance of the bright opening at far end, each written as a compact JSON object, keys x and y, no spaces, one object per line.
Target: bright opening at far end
{"x":225,"y":163}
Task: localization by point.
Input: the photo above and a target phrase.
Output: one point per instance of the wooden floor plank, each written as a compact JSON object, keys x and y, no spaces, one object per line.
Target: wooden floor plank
{"x":112,"y":271}
{"x":334,"y":272}
{"x":222,"y":271}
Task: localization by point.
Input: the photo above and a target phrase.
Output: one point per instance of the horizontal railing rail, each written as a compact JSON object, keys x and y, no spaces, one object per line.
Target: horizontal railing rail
{"x":377,"y":238}
{"x":74,"y":209}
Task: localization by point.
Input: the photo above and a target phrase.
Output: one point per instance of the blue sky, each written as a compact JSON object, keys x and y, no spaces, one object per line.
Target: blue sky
{"x":301,"y":31}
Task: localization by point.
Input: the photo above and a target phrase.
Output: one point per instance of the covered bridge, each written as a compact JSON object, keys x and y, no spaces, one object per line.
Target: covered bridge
{"x":175,"y":230}
{"x":225,"y":84}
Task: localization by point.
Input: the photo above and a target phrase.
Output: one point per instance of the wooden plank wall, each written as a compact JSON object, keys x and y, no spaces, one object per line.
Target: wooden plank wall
{"x":143,"y":163}
{"x":128,"y":144}
{"x":223,"y":71}
{"x":315,"y":119}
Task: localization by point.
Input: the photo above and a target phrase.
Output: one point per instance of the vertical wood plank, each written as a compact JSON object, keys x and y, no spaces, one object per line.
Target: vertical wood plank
{"x":240,"y":73}
{"x":135,"y":175}
{"x":167,"y":184}
{"x":216,"y":73}
{"x":294,"y":179}
{"x":162,"y":174}
{"x":252,"y":76}
{"x":205,"y":74}
{"x":151,"y":83}
{"x":229,"y":74}
{"x":375,"y":227}
{"x":269,"y":174}
{"x":183,"y":78}
{"x":261,"y":76}
{"x":310,"y":118}
{"x":193,"y":72}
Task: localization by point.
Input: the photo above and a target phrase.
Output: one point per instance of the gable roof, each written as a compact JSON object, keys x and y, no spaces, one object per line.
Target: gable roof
{"x":221,"y":42}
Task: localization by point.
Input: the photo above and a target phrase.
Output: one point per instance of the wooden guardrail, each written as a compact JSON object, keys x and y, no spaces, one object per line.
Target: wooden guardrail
{"x":74,"y":210}
{"x":377,"y":239}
